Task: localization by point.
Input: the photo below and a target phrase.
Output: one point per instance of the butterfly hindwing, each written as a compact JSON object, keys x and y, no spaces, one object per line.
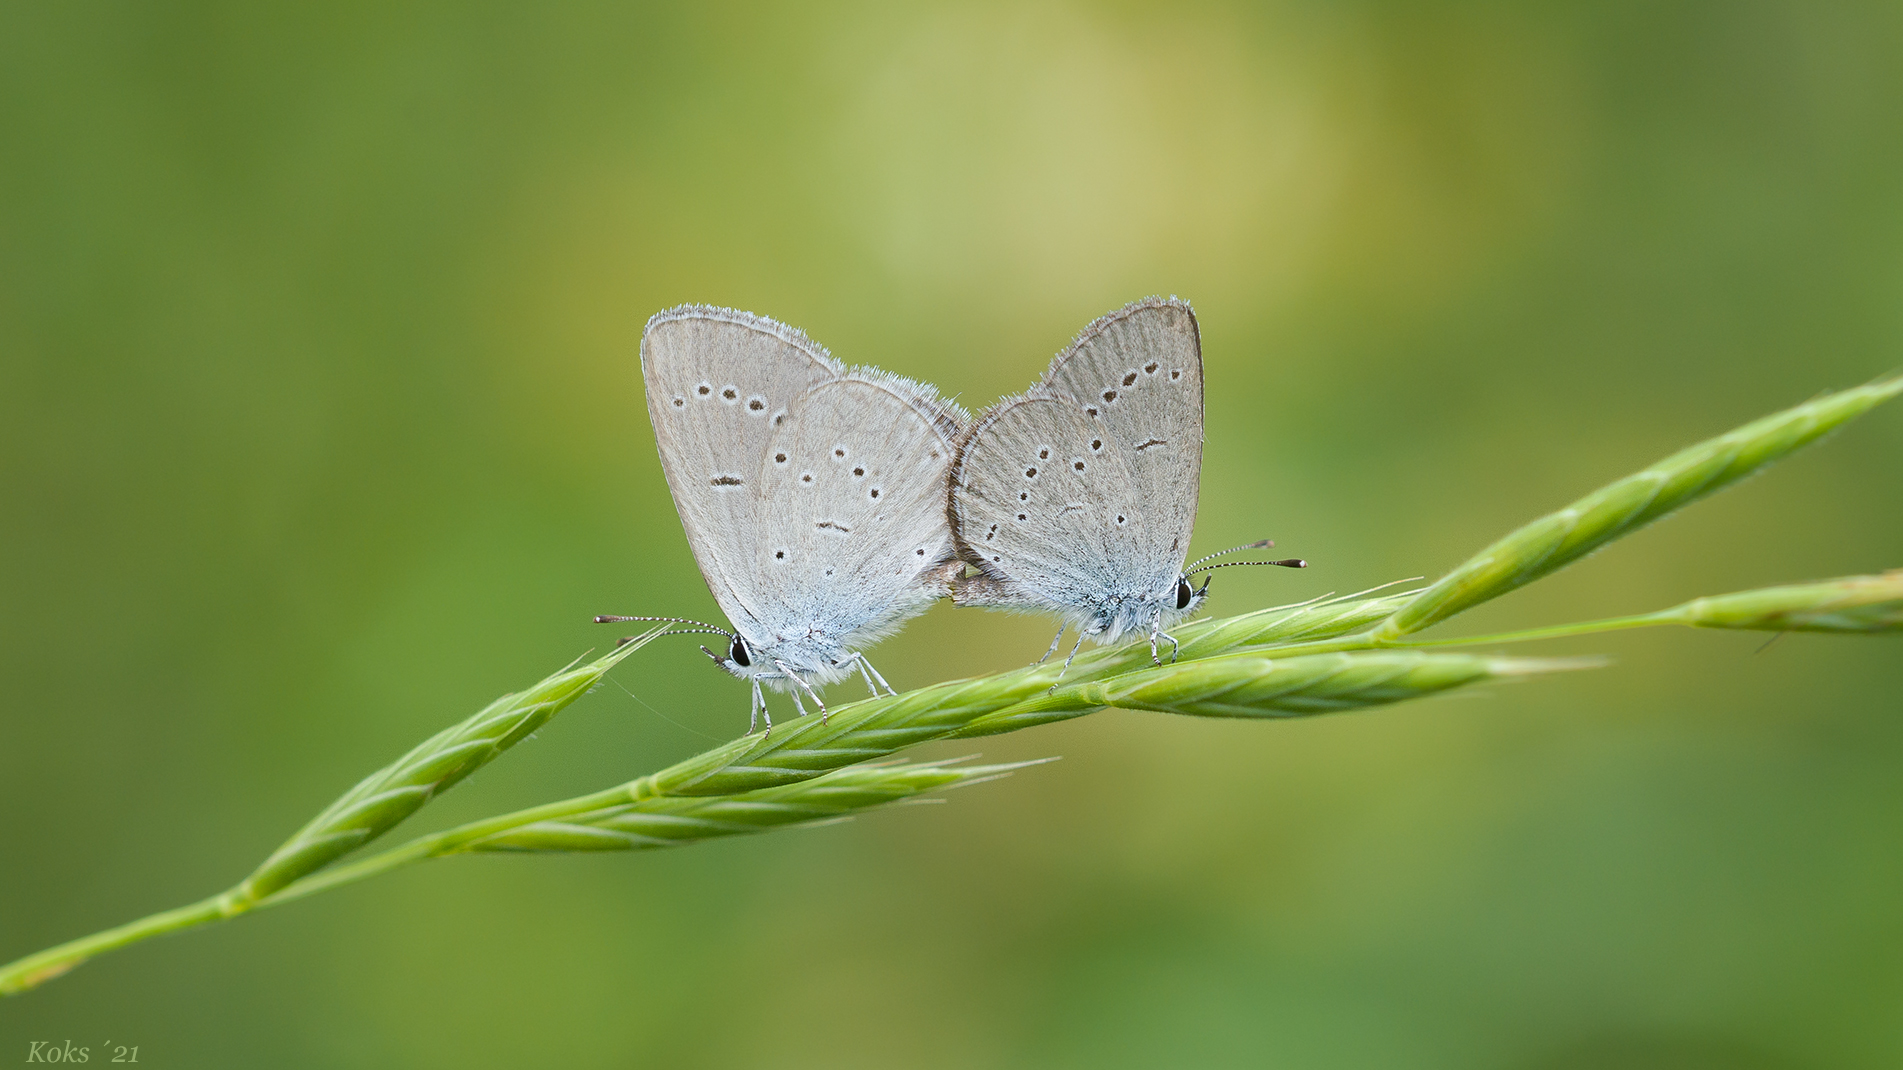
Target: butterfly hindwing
{"x":1039,"y":511}
{"x":1083,"y":491}
{"x":855,"y":533}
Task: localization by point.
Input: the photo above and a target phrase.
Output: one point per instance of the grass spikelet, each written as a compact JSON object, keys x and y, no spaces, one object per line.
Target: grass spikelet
{"x":635,"y":816}
{"x":373,"y":807}
{"x":1851,"y":604}
{"x":1558,"y":539}
{"x":677,"y":822}
{"x":1323,"y":618}
{"x":387,"y":796}
{"x":874,"y":728}
{"x":1262,"y":685}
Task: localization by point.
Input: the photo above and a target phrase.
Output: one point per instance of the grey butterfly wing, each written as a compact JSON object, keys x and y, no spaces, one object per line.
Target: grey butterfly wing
{"x":855,"y":534}
{"x":718,"y":380}
{"x":1139,"y":374}
{"x":1043,"y":505}
{"x":1110,"y":510}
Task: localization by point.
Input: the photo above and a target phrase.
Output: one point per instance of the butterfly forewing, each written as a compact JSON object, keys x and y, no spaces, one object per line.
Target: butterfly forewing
{"x":717,"y":382}
{"x":1138,"y":373}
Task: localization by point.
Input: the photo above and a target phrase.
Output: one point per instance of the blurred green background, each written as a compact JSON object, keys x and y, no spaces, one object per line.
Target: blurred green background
{"x":320,"y":426}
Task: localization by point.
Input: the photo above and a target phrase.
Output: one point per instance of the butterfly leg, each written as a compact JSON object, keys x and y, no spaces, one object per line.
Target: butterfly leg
{"x":865,"y":674}
{"x":1055,"y":639}
{"x":1157,"y":632}
{"x":808,"y":688}
{"x":1073,"y":657}
{"x":866,"y":666}
{"x":756,"y":709}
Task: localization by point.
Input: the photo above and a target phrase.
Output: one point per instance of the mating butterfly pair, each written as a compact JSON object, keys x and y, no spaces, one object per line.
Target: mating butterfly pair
{"x":826,"y":505}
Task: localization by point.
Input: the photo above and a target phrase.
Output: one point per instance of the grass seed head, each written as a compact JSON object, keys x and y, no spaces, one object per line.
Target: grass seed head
{"x":1558,"y":539}
{"x":1850,"y":604}
{"x":1262,"y":685}
{"x":873,"y":728}
{"x":393,"y":793}
{"x":675,"y":822}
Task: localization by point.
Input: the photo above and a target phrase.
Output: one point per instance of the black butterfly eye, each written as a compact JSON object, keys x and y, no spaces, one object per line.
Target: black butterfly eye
{"x":738,"y":652}
{"x":1183,"y":595}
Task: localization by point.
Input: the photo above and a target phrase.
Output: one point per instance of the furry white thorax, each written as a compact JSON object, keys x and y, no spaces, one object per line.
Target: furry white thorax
{"x":816,"y":653}
{"x":816,"y":659}
{"x":1134,"y":617}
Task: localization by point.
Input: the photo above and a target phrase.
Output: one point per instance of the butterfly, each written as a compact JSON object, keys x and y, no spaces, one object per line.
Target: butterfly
{"x":1078,"y":496}
{"x":813,"y":495}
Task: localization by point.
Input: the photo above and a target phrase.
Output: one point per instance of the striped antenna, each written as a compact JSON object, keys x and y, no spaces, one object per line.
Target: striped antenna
{"x":699,"y":627}
{"x":1291,"y":562}
{"x":1257,"y":545}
